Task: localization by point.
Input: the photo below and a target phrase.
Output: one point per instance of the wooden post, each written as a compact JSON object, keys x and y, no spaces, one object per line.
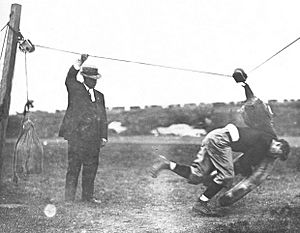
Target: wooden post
{"x":7,"y":75}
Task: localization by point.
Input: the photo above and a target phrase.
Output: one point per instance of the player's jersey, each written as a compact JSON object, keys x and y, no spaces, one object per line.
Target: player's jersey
{"x":256,"y":114}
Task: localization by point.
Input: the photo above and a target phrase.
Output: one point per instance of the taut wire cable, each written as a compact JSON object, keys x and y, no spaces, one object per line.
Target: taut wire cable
{"x":137,"y":62}
{"x":150,"y":64}
{"x":275,"y":54}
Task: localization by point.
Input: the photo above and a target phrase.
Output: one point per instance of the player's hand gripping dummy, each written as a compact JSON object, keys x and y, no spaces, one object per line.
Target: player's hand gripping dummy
{"x":257,"y":115}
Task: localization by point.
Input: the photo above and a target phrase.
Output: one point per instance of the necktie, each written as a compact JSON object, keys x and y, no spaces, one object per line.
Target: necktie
{"x":92,"y":95}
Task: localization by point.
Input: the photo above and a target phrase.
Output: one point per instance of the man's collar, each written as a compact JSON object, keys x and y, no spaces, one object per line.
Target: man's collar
{"x":86,"y":87}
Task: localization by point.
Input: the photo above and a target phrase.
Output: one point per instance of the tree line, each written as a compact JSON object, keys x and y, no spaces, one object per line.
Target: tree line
{"x":142,"y":121}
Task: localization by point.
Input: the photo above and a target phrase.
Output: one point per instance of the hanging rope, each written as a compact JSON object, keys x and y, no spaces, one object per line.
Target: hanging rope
{"x":4,"y":26}
{"x":26,"y":76}
{"x":137,"y":62}
{"x":275,"y":54}
{"x":29,"y":103}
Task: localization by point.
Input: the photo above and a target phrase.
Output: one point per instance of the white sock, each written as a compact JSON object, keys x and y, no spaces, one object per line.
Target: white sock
{"x":172,"y":165}
{"x":203,"y":198}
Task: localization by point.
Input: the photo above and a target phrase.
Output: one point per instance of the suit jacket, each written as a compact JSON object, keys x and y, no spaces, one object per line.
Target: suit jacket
{"x":84,"y":120}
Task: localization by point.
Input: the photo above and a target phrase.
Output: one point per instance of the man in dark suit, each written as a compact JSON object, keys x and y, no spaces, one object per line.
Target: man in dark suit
{"x":84,"y":126}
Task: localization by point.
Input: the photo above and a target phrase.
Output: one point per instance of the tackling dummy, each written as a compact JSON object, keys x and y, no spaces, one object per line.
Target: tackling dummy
{"x":28,"y":151}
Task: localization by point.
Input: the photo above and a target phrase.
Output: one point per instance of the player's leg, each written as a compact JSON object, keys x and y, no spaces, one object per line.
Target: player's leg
{"x":164,"y":164}
{"x":201,"y":205}
{"x":197,"y":173}
{"x":220,"y":155}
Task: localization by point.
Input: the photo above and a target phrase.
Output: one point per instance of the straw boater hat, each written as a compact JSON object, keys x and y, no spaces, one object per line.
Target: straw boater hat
{"x":90,"y":72}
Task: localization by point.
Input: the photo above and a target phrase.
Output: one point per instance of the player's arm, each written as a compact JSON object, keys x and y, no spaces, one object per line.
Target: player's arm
{"x":240,"y":76}
{"x":248,"y":92}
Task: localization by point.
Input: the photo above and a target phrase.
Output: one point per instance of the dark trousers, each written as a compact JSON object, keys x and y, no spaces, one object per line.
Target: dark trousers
{"x":85,"y":155}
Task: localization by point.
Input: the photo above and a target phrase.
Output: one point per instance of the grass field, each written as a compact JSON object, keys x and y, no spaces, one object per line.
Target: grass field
{"x":132,"y":201}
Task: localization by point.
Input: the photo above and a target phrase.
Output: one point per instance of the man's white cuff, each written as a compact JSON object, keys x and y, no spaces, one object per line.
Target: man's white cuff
{"x":77,"y":65}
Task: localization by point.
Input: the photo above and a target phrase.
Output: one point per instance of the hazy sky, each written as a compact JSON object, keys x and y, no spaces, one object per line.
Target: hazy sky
{"x":210,"y":35}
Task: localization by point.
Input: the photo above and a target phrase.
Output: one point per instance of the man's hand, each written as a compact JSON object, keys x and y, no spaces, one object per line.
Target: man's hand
{"x":83,"y":58}
{"x":80,"y":61}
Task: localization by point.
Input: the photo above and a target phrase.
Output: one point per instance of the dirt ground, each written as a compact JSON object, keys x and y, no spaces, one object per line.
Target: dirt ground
{"x":132,"y":201}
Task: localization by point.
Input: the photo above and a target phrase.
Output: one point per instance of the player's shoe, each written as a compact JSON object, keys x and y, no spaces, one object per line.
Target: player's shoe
{"x":162,"y":164}
{"x":201,"y":207}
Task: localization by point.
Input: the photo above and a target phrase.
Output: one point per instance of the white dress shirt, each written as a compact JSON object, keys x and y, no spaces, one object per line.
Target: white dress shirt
{"x":91,"y":91}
